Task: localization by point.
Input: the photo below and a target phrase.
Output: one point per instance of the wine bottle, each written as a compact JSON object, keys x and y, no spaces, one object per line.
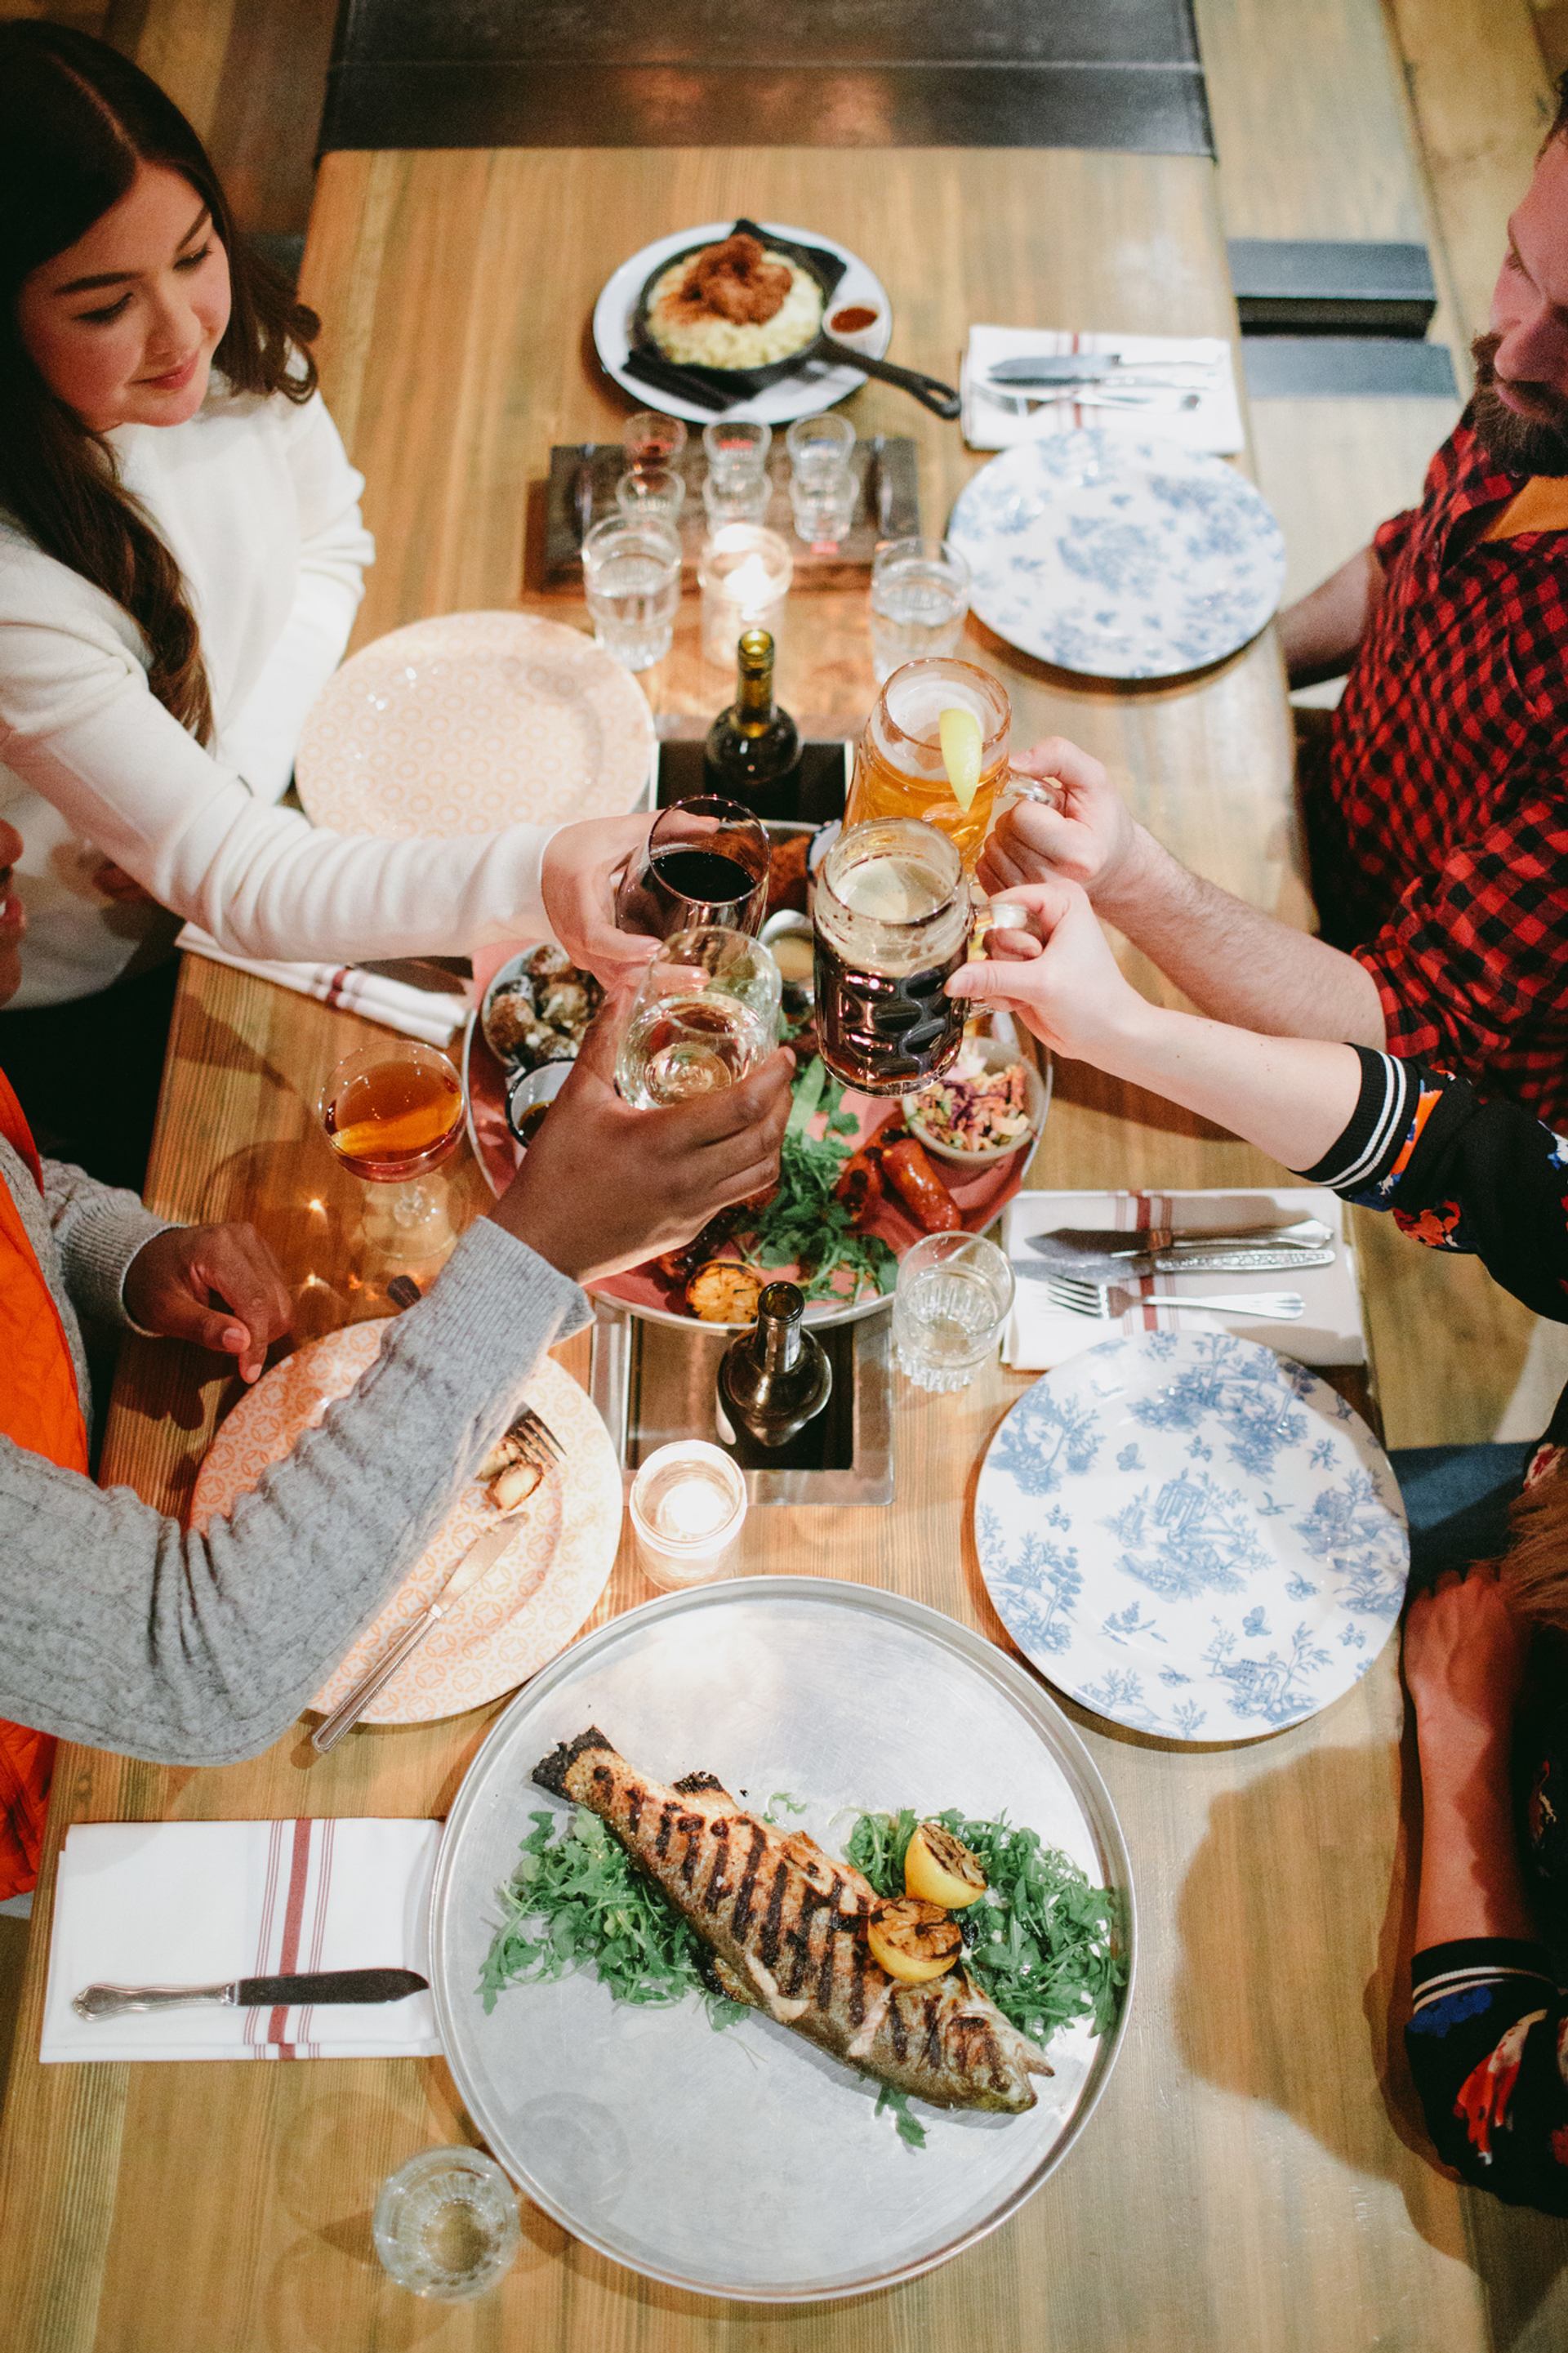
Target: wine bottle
{"x":752,"y":752}
{"x":775,"y":1377}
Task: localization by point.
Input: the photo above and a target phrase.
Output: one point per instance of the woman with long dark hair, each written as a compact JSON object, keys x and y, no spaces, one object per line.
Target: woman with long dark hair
{"x":181,"y":553}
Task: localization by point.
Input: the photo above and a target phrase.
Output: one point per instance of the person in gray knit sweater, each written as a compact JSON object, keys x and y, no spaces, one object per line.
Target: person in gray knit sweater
{"x":120,"y":1628}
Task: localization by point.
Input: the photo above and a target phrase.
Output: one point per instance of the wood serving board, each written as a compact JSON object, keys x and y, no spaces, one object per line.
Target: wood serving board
{"x":582,"y":492}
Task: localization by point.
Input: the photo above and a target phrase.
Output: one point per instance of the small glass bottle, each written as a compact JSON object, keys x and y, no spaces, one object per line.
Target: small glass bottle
{"x":775,"y":1377}
{"x":752,"y":752}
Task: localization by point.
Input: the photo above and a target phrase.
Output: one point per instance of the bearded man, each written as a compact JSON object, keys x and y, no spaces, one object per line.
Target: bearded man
{"x":1435,"y":802}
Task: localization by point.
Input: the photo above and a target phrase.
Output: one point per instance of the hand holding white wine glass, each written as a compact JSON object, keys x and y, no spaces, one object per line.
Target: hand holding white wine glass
{"x":705,"y":1014}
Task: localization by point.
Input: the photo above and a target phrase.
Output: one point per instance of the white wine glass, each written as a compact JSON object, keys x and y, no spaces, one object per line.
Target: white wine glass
{"x":707,"y":1013}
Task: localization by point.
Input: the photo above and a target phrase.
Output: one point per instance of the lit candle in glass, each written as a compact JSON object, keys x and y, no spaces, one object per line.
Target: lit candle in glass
{"x":687,"y":1503}
{"x":745,"y":575}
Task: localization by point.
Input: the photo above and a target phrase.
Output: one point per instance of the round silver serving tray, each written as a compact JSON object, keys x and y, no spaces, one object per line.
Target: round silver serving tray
{"x":745,"y":2163}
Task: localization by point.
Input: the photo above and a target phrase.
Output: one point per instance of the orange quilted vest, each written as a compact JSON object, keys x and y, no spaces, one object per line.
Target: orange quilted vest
{"x":39,"y":1408}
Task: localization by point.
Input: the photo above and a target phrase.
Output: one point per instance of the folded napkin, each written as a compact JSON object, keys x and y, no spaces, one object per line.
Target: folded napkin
{"x":203,"y":1903}
{"x":435,"y":1015}
{"x":1040,"y":1336}
{"x":1215,"y":423}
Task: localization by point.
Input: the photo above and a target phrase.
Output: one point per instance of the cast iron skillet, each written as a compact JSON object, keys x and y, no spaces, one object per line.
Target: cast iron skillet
{"x":827,"y":269}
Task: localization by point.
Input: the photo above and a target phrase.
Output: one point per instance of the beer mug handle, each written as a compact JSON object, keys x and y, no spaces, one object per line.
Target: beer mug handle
{"x":1016,"y":786}
{"x":1001,"y":916}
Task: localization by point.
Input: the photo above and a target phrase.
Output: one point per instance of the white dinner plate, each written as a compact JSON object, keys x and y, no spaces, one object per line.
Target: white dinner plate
{"x":746,"y":2162}
{"x":474,"y":721}
{"x":1192,"y":1535}
{"x":1117,"y":558}
{"x":818,"y":385}
{"x":522,"y":1613}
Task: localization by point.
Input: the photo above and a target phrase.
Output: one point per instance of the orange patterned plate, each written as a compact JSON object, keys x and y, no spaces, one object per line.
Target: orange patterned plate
{"x":474,"y":721}
{"x":530,"y":1606}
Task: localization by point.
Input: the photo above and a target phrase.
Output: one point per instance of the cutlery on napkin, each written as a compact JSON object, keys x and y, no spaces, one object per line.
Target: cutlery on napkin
{"x":1040,"y":1335}
{"x":208,"y":1903}
{"x":1162,"y":1250}
{"x":1194,"y":364}
{"x":254,"y":1993}
{"x":434,"y":1014}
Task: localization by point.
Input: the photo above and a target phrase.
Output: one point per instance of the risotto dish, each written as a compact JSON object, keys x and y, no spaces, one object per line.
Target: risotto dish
{"x":737,"y":304}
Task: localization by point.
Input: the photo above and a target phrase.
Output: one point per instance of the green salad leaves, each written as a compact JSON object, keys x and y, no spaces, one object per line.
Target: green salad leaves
{"x":579,"y":1901}
{"x":803,"y":1225}
{"x":1041,"y":1941}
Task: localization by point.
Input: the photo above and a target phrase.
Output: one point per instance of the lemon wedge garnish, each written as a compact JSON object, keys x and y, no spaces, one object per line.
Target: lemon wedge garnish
{"x":958,"y":732}
{"x":941,"y":1868}
{"x":913,"y":1941}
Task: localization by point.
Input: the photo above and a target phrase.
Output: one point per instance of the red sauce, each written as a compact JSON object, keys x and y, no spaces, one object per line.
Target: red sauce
{"x":851,"y":321}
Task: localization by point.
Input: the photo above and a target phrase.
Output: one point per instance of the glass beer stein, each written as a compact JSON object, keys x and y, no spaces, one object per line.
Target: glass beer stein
{"x":899,"y":768}
{"x":893,"y":914}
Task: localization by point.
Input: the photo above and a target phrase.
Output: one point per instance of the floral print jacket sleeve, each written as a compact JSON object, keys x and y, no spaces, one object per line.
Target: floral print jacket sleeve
{"x":1488,"y":2038}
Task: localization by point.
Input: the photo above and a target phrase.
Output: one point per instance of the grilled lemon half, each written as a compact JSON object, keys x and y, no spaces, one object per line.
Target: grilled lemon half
{"x":941,"y":1868}
{"x":913,"y":1940}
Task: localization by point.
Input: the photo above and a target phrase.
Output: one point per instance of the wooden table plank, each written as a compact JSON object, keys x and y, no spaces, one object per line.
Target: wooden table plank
{"x":1246,"y":2183}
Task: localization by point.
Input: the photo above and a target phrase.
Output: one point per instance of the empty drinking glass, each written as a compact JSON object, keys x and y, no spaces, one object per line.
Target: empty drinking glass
{"x":919,"y":596}
{"x":651,"y":490}
{"x":737,"y":449}
{"x":650,"y":439}
{"x":445,"y":2223}
{"x":822,"y":488}
{"x":631,"y":570}
{"x":954,"y":1294}
{"x":746,"y":501}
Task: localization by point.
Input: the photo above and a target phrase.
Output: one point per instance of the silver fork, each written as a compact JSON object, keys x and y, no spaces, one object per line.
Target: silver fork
{"x":1106,"y":1300}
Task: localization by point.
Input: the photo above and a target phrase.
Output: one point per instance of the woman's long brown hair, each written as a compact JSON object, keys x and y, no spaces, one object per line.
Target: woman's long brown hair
{"x":76,"y":120}
{"x":1534,"y":1570}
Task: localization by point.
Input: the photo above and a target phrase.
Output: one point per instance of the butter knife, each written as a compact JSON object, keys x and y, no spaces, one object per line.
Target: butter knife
{"x":1103,"y":1267}
{"x":476,"y":1562}
{"x":310,"y":1990}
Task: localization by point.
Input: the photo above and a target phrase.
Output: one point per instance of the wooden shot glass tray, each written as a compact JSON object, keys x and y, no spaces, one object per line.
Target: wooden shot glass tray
{"x":582,"y":492}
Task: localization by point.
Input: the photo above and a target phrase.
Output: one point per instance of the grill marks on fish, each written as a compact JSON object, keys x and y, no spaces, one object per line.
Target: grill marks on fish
{"x":786,"y":1926}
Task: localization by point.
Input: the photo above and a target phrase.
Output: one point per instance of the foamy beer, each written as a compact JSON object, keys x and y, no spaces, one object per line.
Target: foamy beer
{"x":893,"y":912}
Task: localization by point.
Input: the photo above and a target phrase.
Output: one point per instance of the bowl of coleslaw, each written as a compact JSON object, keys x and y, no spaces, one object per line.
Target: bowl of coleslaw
{"x":990,"y":1102}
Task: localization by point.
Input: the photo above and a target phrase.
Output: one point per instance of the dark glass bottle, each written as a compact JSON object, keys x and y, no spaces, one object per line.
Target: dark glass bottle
{"x":753,"y":752}
{"x":775,"y":1377}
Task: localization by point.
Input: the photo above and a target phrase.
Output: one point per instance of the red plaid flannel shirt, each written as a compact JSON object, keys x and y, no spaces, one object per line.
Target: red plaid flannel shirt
{"x":1436,"y":812}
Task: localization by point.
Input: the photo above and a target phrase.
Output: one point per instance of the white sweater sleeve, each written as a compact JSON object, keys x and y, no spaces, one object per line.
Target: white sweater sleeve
{"x":78,"y":723}
{"x":334,"y":549}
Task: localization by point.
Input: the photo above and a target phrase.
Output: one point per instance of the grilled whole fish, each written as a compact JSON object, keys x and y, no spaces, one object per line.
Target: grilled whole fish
{"x":786,"y":1926}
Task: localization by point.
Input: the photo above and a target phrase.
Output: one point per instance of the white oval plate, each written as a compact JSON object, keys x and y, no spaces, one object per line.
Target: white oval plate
{"x":471,"y":722}
{"x":1118,"y":558}
{"x":536,"y":1596}
{"x":1192,"y":1535}
{"x":816,"y":386}
{"x":746,"y":2163}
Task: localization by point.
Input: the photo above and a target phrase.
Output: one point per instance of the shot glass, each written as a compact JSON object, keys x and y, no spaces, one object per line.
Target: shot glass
{"x":631,"y":571}
{"x":652,"y":440}
{"x":445,"y":2224}
{"x":953,"y":1297}
{"x":744,"y":501}
{"x":819,"y":448}
{"x":919,"y":597}
{"x":737,"y":449}
{"x":651,"y":490}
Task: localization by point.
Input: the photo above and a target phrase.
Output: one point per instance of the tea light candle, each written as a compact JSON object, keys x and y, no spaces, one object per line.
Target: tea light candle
{"x":687,"y":1503}
{"x":745,"y":575}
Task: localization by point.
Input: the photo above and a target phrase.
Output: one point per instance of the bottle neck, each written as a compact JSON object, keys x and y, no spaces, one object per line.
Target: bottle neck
{"x":781,"y":1344}
{"x":754,"y":696}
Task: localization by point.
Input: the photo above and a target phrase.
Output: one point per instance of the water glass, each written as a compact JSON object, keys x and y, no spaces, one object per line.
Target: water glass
{"x":650,"y":490}
{"x":445,"y":2224}
{"x":954,"y":1295}
{"x":919,"y":596}
{"x":631,"y":571}
{"x":737,"y":449}
{"x":651,"y":440}
{"x":706,"y":1014}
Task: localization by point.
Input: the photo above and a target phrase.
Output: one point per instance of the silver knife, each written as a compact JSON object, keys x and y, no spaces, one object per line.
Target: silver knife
{"x":1101,"y":1266}
{"x":297,"y":1992}
{"x":1140,"y":1241}
{"x":1081,"y":367}
{"x":583,"y":490}
{"x":476,"y":1562}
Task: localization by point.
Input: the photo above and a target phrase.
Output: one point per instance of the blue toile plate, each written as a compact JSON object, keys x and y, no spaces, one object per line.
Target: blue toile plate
{"x":1192,"y":1535}
{"x":1119,"y":558}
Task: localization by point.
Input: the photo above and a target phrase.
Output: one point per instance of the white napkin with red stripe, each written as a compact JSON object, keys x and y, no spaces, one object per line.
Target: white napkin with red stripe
{"x":204,"y":1903}
{"x":1329,"y":1331}
{"x":433,"y":1014}
{"x":1203,"y":365}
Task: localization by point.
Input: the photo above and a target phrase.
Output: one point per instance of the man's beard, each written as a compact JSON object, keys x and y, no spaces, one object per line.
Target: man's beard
{"x":1525,"y":445}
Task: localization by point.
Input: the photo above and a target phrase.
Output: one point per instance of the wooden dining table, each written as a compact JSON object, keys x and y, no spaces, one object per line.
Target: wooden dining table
{"x":1254,"y":2178}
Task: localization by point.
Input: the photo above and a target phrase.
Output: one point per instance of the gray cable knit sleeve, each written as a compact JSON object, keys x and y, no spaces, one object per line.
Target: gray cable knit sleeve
{"x":98,"y":1230}
{"x":121,"y":1628}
